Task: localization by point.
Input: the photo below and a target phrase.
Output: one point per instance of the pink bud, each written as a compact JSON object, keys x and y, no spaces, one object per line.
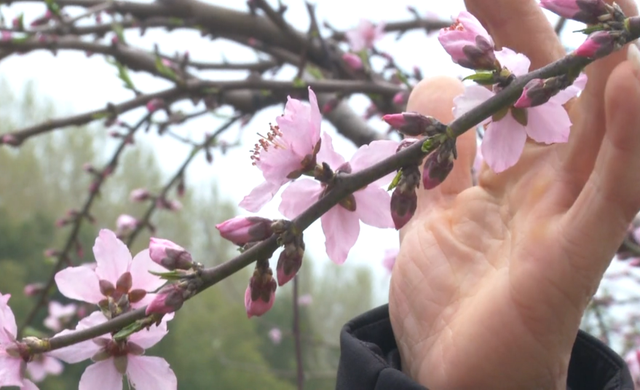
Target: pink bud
{"x":125,"y":223}
{"x":598,"y":44}
{"x":169,"y":299}
{"x":586,"y":11}
{"x":241,"y":230}
{"x":352,"y":60}
{"x":275,"y":335}
{"x":139,"y":195}
{"x":400,"y":98}
{"x":33,"y":289}
{"x":51,"y":252}
{"x":413,"y":124}
{"x":115,"y":40}
{"x":10,"y":139}
{"x":6,"y":36}
{"x":468,"y":43}
{"x":403,"y":206}
{"x":260,"y":294}
{"x":169,"y":255}
{"x":289,"y":262}
{"x":436,"y":169}
{"x":155,"y":104}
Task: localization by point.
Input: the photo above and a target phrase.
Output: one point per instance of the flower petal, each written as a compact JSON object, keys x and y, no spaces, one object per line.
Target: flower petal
{"x":548,"y":123}
{"x":373,"y":207}
{"x":140,"y":276}
{"x":151,"y":373}
{"x":148,"y":338}
{"x":101,"y":375}
{"x":328,"y":154}
{"x":517,"y":63}
{"x":298,"y":196}
{"x":7,"y":321}
{"x":80,"y":283}
{"x":112,"y":256}
{"x":341,"y":229}
{"x":75,"y":353}
{"x":503,"y":143}
{"x":10,"y":371}
{"x":473,"y":96}
{"x":277,"y":163}
{"x":570,"y":92}
{"x":28,"y":385}
{"x":368,"y":155}
{"x":259,"y":196}
{"x":316,"y":118}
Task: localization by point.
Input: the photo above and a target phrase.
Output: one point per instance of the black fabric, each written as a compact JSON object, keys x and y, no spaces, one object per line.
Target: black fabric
{"x":369,"y":359}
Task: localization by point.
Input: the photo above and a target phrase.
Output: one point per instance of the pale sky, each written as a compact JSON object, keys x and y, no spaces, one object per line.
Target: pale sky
{"x":78,"y":84}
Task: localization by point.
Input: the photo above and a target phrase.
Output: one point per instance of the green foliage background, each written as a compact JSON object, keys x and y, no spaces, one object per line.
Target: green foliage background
{"x":211,"y":343}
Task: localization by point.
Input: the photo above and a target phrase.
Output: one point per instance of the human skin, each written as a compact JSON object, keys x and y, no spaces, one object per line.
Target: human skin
{"x":491,"y":281}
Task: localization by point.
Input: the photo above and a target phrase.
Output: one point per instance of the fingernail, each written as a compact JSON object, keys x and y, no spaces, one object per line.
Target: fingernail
{"x":633,"y":56}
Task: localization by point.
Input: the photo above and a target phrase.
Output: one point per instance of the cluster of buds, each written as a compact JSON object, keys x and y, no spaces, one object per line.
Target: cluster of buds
{"x":260,"y":294}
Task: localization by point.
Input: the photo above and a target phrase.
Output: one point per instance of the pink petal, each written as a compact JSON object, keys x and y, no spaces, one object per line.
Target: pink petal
{"x":368,"y":155}
{"x":473,"y":96}
{"x":144,"y":301}
{"x":503,"y":143}
{"x":277,"y":163}
{"x":328,"y":154}
{"x":548,"y":123}
{"x":140,"y":276}
{"x":112,"y":256}
{"x":75,"y":353}
{"x":148,"y":338}
{"x":101,"y":375}
{"x":10,"y":371}
{"x":517,"y":63}
{"x":259,"y":196}
{"x":298,"y":196}
{"x":7,"y":321}
{"x":373,"y":207}
{"x":572,"y":91}
{"x":295,"y":126}
{"x":316,"y":117}
{"x":341,"y":229}
{"x":28,"y":385}
{"x":151,"y":373}
{"x":80,"y":283}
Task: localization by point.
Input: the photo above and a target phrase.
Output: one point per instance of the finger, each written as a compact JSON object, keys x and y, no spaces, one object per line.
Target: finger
{"x":434,"y":97}
{"x":595,"y":225}
{"x":521,"y":26}
{"x":580,"y":153}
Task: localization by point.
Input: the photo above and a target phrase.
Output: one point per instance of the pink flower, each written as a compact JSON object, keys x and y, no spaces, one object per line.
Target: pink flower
{"x":305,"y":300}
{"x":241,"y":230}
{"x":275,"y":335}
{"x":340,"y":225}
{"x":363,"y":36}
{"x":633,"y":361}
{"x":586,"y":11}
{"x":43,"y":365}
{"x":116,"y":274}
{"x":390,"y":259}
{"x":288,"y":150}
{"x":114,"y":359}
{"x":169,"y":254}
{"x":12,"y":365}
{"x":352,"y":60}
{"x":468,"y":43}
{"x":504,"y":139}
{"x":58,"y":315}
{"x":125,"y":224}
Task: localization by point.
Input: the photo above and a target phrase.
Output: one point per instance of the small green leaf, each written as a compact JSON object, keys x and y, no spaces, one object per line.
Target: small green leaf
{"x":100,"y":115}
{"x":173,"y":275}
{"x":299,"y":83}
{"x":117,"y":28}
{"x":427,"y":146}
{"x":53,"y":7}
{"x":165,"y":70}
{"x":315,"y":72}
{"x":128,"y":331}
{"x":395,"y":181}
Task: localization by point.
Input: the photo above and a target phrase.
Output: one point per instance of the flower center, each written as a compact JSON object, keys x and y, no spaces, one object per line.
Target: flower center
{"x":273,"y":138}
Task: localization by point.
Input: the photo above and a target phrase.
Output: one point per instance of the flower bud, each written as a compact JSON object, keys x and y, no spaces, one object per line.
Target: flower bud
{"x":413,"y":124}
{"x":436,"y":168}
{"x":586,"y":11}
{"x":290,"y":261}
{"x":352,"y":60}
{"x":169,"y":255}
{"x":125,"y":224}
{"x":139,"y":195}
{"x":9,"y":139}
{"x":598,"y":44}
{"x":403,"y":206}
{"x":169,"y":299}
{"x":260,"y":294}
{"x":469,"y":44}
{"x":538,"y":91}
{"x":275,"y":335}
{"x":241,"y":230}
{"x":155,"y":104}
{"x":401,"y":98}
{"x":33,"y":289}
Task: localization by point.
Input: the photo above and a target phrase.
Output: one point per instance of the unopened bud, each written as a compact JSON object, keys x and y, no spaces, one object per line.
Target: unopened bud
{"x":169,"y":299}
{"x":139,"y":195}
{"x":598,"y":44}
{"x":33,"y":289}
{"x":241,"y":230}
{"x":169,"y":254}
{"x":289,"y":262}
{"x":10,"y":139}
{"x":469,"y":44}
{"x":404,"y":199}
{"x":352,"y":60}
{"x":586,"y":11}
{"x":414,"y":124}
{"x":260,"y":294}
{"x":436,"y":168}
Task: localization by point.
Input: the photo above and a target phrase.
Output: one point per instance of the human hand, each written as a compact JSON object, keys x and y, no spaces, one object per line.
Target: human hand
{"x":491,"y":281}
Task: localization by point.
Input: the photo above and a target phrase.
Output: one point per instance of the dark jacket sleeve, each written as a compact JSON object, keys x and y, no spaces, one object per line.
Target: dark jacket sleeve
{"x":369,"y":359}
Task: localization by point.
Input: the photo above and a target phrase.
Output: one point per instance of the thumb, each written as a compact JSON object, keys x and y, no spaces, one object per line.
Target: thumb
{"x":434,"y":97}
